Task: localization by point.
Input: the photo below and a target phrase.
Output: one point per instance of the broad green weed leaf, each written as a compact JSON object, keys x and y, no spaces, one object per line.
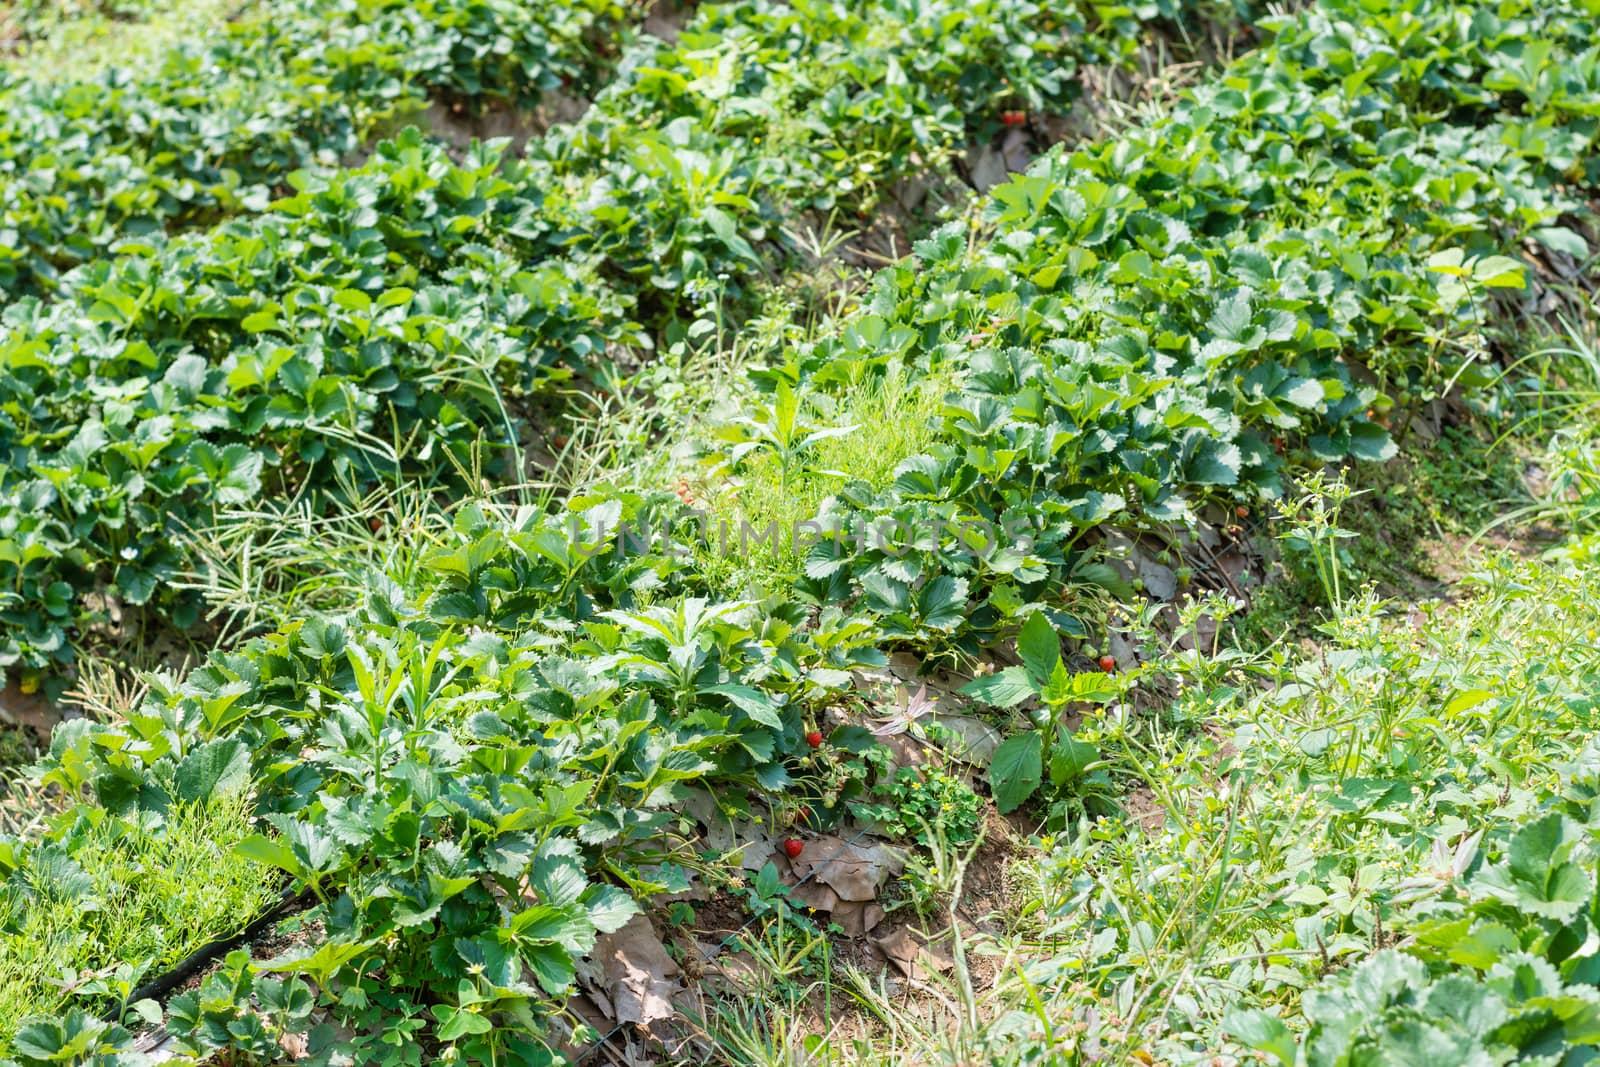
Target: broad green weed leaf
{"x":1015,"y":770}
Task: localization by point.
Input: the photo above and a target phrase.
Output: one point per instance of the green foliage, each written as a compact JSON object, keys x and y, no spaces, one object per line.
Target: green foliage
{"x":109,"y":902}
{"x":1506,"y":972}
{"x":216,"y":127}
{"x":1387,"y":533}
{"x":780,"y":489}
{"x":485,"y":765}
{"x":475,"y":779}
{"x":1049,"y":752}
{"x":1426,"y":788}
{"x":1303,"y":245}
{"x":64,"y":41}
{"x":389,"y":321}
{"x":924,"y":806}
{"x":180,"y":378}
{"x":690,"y":178}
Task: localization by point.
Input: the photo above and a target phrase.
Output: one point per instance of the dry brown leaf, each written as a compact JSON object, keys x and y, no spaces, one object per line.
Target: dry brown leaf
{"x":854,"y":871}
{"x":637,"y":974}
{"x":28,"y":709}
{"x":742,"y":841}
{"x":975,"y":739}
{"x":915,"y":959}
{"x":904,"y":751}
{"x":736,"y":972}
{"x":857,"y":918}
{"x":814,"y":895}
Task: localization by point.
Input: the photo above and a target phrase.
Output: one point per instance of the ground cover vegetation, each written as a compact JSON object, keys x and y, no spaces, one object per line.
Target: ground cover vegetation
{"x":214,"y":128}
{"x":391,"y":320}
{"x":537,"y":709}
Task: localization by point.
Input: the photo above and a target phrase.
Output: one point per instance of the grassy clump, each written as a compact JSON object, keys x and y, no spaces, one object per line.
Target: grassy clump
{"x":60,"y":42}
{"x":1410,"y":523}
{"x":793,"y":468}
{"x":115,"y":901}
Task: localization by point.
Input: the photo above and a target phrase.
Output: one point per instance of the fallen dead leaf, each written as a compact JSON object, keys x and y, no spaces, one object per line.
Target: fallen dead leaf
{"x":905,"y":751}
{"x":814,"y":895}
{"x":28,"y":709}
{"x":911,"y":955}
{"x":857,"y":918}
{"x":854,"y":871}
{"x":1160,"y":581}
{"x":636,"y":973}
{"x":742,"y":841}
{"x":975,"y":740}
{"x":737,"y":972}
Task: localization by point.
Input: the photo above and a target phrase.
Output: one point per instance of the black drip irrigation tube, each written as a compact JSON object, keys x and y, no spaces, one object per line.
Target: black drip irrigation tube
{"x":161,"y":986}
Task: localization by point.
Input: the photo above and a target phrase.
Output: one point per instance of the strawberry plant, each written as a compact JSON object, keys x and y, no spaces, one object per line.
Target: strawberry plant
{"x":1506,"y":973}
{"x":241,"y":358}
{"x":1020,"y":765}
{"x":471,"y":781}
{"x":486,"y":766}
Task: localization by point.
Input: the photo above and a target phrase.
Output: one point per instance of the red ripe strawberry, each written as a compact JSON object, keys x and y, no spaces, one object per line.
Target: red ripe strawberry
{"x":814,"y":739}
{"x":793,"y":847}
{"x":1108,"y":663}
{"x":374,"y":524}
{"x":1242,"y":511}
{"x":803,"y":815}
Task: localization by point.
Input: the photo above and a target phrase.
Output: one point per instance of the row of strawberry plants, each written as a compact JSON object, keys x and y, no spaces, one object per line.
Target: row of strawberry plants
{"x":764,"y":115}
{"x":297,"y":347}
{"x":1304,"y":249}
{"x":462,"y":773}
{"x":213,"y":129}
{"x":472,"y":779}
{"x":406,"y":306}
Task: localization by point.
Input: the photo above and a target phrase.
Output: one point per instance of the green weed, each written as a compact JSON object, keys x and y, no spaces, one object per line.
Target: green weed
{"x":864,"y":435}
{"x":75,"y":40}
{"x":111,"y":902}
